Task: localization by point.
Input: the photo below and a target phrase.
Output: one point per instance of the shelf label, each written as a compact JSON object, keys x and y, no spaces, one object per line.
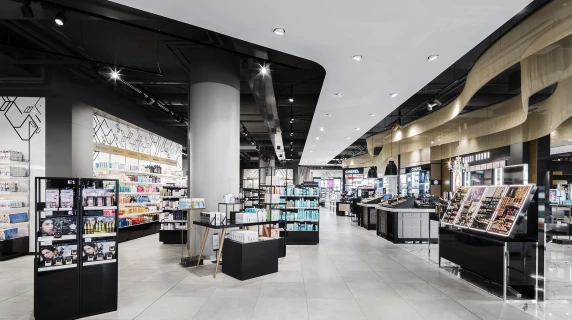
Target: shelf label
{"x":47,"y":242}
{"x":42,"y":214}
{"x":87,"y":239}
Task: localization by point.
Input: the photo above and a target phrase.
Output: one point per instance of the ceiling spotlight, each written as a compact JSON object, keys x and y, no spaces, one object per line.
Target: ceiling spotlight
{"x":371,"y":114}
{"x":357,"y":57}
{"x":328,"y":114}
{"x":317,"y":138}
{"x":432,"y":142}
{"x":348,"y":138}
{"x":311,"y":150}
{"x":291,"y":99}
{"x":26,"y":10}
{"x":264,"y":70}
{"x":252,"y":142}
{"x":338,"y":95}
{"x":429,"y":107}
{"x":114,"y":74}
{"x":357,"y":129}
{"x":279,"y":31}
{"x":291,"y":143}
{"x":322,"y":129}
{"x":393,"y":95}
{"x":60,"y":19}
{"x":291,"y":133}
{"x":432,"y":57}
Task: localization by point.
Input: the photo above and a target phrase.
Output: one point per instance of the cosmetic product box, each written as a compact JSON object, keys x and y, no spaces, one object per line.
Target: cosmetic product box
{"x":6,"y":234}
{"x":246,"y":217}
{"x":244,"y":236}
{"x":13,"y":217}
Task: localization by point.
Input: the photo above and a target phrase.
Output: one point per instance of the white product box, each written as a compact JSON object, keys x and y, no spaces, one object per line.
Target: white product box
{"x":274,"y":215}
{"x":245,"y":217}
{"x":261,"y":215}
{"x":244,"y":236}
{"x":272,"y":198}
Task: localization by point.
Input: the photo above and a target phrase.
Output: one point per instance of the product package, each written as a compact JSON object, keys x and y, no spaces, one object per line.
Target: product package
{"x":99,"y":250}
{"x":55,"y":255}
{"x":66,"y":198}
{"x":244,"y":236}
{"x":95,"y":225}
{"x":52,"y":198}
{"x":10,"y":233}
{"x":58,"y":226}
{"x":13,"y":217}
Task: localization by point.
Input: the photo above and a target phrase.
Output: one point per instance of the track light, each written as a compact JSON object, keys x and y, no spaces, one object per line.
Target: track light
{"x":291,"y":99}
{"x":357,"y":57}
{"x":433,"y":57}
{"x":291,"y":143}
{"x":291,"y":133}
{"x":60,"y":19}
{"x":27,"y":10}
{"x":393,"y":95}
{"x":279,"y":31}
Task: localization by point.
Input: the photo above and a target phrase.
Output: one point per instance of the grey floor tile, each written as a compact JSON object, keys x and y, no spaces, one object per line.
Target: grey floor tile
{"x":280,"y":309}
{"x":442,"y":309}
{"x":228,"y":308}
{"x":283,"y":290}
{"x":326,"y":309}
{"x":327,"y":290}
{"x":388,"y":308}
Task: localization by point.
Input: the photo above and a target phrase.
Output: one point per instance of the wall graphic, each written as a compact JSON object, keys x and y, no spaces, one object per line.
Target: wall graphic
{"x":22,"y":128}
{"x":120,"y":135}
{"x":23,"y":114}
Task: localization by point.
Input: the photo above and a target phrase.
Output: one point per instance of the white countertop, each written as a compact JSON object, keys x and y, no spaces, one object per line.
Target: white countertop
{"x":373,"y":205}
{"x":421,"y":210}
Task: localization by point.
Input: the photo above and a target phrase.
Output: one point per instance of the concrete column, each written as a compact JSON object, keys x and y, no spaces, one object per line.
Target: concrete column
{"x":69,"y":138}
{"x":214,"y":133}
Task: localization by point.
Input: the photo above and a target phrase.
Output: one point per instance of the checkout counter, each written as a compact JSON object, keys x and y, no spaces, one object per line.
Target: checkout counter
{"x":407,"y":221}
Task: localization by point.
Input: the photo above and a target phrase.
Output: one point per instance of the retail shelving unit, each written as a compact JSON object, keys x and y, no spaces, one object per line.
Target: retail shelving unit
{"x":173,"y":220}
{"x":76,"y":247}
{"x":14,"y":205}
{"x":301,"y":212}
{"x":275,"y":177}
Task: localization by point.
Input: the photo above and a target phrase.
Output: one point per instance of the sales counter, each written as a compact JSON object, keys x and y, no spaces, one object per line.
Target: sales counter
{"x":368,"y":215}
{"x":403,"y":223}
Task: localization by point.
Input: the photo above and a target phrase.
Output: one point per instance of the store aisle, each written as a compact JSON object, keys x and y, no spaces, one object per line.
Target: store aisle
{"x":352,"y":274}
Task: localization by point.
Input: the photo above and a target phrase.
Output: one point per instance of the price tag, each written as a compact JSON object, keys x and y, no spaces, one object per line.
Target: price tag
{"x":87,"y":239}
{"x":47,"y":243}
{"x":42,"y":214}
{"x":49,"y":213}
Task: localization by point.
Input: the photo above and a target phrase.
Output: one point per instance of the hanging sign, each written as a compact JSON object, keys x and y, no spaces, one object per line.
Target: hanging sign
{"x":131,"y":154}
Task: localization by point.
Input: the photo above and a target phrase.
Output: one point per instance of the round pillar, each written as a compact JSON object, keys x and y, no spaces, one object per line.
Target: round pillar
{"x":213,"y":133}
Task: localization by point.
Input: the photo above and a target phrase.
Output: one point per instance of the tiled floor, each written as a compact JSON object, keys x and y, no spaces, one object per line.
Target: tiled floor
{"x":352,"y":274}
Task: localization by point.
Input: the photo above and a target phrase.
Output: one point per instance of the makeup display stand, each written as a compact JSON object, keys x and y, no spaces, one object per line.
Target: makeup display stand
{"x":76,"y":247}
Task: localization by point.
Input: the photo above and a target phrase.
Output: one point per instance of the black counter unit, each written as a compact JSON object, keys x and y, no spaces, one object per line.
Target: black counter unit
{"x":403,"y":223}
{"x":245,"y":261}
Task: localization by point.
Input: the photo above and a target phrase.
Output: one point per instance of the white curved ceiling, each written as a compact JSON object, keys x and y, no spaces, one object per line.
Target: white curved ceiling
{"x":394,"y":37}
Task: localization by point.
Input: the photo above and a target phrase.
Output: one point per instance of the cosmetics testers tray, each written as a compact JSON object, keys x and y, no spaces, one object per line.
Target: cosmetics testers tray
{"x":76,"y":247}
{"x":495,"y":210}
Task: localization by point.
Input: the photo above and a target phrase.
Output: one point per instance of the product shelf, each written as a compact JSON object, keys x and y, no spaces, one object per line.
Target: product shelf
{"x":91,"y":263}
{"x":139,"y":193}
{"x":13,"y":224}
{"x":138,"y":204}
{"x":13,"y":210}
{"x":297,"y":208}
{"x":96,"y":208}
{"x":100,"y":235}
{"x":52,"y":238}
{"x":138,"y":224}
{"x":52,"y":268}
{"x":285,"y":196}
{"x":14,"y":162}
{"x":14,"y":192}
{"x":138,"y":173}
{"x":15,"y":178}
{"x":137,"y":214}
{"x":142,"y":183}
{"x":174,"y":221}
{"x":14,"y":238}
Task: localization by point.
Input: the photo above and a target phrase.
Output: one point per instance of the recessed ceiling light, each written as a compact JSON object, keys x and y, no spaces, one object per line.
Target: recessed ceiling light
{"x":393,"y":95}
{"x":317,"y":138}
{"x":432,"y":142}
{"x":432,"y":57}
{"x":357,"y":129}
{"x":371,"y":114}
{"x":328,"y":114}
{"x":279,"y":31}
{"x":114,"y":74}
{"x":60,"y":19}
{"x":348,"y":138}
{"x":311,"y":150}
{"x":322,"y":129}
{"x":314,"y":145}
{"x":338,"y":95}
{"x":291,"y":99}
{"x":357,"y":57}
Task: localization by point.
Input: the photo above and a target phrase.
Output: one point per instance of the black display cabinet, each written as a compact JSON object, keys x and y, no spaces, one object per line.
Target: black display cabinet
{"x":76,"y":247}
{"x":493,"y":233}
{"x":245,"y":261}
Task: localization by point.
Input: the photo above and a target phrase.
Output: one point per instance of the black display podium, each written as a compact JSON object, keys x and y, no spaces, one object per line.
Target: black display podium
{"x":245,"y":261}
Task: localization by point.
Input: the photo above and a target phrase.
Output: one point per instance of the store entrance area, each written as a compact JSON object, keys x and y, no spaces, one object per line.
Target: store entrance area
{"x":351,"y":274}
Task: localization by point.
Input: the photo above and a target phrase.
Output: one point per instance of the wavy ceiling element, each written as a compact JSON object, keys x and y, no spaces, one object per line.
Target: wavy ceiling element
{"x":540,"y":43}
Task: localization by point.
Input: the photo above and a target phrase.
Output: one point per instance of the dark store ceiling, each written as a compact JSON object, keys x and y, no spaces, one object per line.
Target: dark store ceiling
{"x":151,"y":54}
